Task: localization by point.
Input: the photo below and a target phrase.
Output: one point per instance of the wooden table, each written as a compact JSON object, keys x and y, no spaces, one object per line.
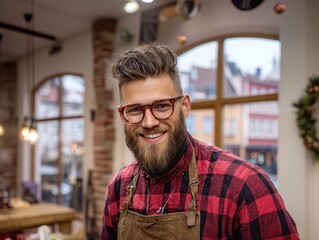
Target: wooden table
{"x":35,"y":215}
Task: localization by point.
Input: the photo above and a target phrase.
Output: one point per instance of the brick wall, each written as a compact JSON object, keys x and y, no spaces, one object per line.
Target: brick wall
{"x":9,"y":141}
{"x":104,"y":132}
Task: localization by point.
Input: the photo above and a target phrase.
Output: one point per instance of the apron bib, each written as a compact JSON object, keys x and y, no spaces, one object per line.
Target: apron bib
{"x":180,"y":225}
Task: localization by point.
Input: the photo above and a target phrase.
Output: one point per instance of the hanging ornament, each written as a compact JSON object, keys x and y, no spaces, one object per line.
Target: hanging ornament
{"x":182,"y":39}
{"x":280,"y":7}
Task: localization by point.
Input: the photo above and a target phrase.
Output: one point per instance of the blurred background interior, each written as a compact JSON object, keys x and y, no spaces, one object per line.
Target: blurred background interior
{"x":243,"y":63}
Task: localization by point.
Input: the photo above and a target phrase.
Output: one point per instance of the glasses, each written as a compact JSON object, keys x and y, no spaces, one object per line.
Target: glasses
{"x":161,"y":110}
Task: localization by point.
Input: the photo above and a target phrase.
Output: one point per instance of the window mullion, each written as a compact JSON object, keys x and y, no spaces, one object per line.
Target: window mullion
{"x":219,"y":95}
{"x":59,"y":163}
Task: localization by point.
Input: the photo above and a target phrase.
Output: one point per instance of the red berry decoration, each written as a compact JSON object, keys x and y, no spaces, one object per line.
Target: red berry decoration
{"x":280,"y":7}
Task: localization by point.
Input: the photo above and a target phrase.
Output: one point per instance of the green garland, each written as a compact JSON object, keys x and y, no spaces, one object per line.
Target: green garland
{"x":305,"y":120}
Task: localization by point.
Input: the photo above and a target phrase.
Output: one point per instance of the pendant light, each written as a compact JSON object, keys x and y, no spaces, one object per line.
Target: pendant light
{"x":28,"y":133}
{"x":33,"y":133}
{"x":2,"y":130}
{"x":131,"y":6}
{"x":24,"y":131}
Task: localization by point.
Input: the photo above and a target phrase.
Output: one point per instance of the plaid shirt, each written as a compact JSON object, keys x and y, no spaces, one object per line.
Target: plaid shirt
{"x":236,"y":199}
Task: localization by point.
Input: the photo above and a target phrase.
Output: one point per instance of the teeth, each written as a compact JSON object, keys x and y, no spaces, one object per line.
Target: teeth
{"x":154,"y":135}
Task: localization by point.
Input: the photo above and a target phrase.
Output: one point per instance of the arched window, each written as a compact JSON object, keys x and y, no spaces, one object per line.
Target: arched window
{"x":233,"y":79}
{"x":59,"y":110}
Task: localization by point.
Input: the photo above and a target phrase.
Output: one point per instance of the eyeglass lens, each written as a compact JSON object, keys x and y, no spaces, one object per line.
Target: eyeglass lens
{"x":161,"y":110}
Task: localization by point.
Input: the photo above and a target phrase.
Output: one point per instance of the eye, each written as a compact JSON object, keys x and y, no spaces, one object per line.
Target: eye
{"x":133,"y":110}
{"x":162,"y":106}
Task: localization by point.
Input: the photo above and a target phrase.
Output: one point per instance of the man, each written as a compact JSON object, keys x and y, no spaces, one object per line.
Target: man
{"x":179,"y":187}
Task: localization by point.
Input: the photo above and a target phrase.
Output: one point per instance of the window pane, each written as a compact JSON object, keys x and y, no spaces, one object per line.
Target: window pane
{"x":191,"y":123}
{"x":72,"y":153}
{"x":200,"y":123}
{"x":198,"y":71}
{"x":251,"y":66}
{"x":47,"y":152}
{"x":251,"y":132}
{"x":47,"y":100}
{"x":72,"y":95}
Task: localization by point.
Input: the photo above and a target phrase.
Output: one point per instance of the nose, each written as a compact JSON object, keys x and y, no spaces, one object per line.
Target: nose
{"x":149,"y":121}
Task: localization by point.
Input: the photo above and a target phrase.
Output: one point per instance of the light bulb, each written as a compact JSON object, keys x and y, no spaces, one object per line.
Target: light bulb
{"x":24,"y":133}
{"x":33,"y":136}
{"x":2,"y":131}
{"x":147,"y":1}
{"x":131,"y":6}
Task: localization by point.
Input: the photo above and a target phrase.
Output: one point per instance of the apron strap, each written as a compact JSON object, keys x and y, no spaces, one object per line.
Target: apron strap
{"x":131,"y":189}
{"x":193,"y":185}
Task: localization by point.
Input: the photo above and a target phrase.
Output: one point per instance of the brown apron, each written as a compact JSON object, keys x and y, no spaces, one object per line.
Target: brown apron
{"x":180,"y":225}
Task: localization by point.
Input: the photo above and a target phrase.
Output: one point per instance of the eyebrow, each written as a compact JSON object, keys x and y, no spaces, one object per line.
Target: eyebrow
{"x":142,"y":104}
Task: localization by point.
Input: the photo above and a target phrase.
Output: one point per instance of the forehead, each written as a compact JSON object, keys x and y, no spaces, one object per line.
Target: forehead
{"x":147,"y":90}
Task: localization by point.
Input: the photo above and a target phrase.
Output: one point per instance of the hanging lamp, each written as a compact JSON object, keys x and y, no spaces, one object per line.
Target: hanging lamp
{"x":29,"y":133}
{"x":24,"y":131}
{"x":33,"y":133}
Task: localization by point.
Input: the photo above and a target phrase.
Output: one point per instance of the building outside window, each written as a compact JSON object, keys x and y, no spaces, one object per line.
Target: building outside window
{"x":208,"y":128}
{"x":190,"y":123}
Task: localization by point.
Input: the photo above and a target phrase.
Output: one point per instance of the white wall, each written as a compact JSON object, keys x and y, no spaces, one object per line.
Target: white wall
{"x":312,"y":68}
{"x":292,"y":169}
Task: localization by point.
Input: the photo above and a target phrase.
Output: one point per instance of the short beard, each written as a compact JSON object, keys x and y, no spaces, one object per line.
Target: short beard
{"x":156,"y":158}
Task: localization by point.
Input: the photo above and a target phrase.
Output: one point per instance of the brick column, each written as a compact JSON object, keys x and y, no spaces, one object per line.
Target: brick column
{"x":9,"y":141}
{"x":104,"y":132}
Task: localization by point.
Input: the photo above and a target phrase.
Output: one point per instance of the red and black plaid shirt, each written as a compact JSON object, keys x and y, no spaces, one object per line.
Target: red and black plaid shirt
{"x":236,"y":199}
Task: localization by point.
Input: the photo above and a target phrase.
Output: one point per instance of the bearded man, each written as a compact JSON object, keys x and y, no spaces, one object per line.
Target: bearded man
{"x":179,"y":187}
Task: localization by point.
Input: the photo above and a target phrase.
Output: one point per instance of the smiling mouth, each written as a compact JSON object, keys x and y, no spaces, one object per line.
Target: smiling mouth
{"x":153,"y":135}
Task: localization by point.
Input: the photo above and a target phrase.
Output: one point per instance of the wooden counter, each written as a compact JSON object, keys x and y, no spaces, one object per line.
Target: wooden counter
{"x":36,"y":215}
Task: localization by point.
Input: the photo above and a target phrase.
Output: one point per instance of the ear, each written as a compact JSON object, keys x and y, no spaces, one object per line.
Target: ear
{"x":186,"y":106}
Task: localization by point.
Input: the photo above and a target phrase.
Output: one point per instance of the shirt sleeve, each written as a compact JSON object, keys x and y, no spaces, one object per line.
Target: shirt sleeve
{"x":262,"y":213}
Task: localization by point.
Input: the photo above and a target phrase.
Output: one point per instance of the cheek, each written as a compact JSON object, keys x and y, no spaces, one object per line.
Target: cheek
{"x":130,"y":128}
{"x":175,"y":119}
